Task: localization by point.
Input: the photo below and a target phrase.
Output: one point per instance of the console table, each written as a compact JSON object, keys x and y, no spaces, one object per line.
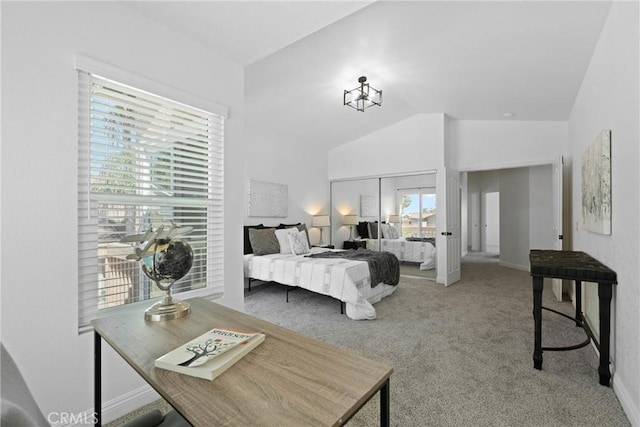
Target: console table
{"x":289,"y":379}
{"x":578,"y":267}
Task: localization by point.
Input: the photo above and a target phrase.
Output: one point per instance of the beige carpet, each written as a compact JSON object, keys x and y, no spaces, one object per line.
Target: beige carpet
{"x":158,"y":404}
{"x":462,"y":354}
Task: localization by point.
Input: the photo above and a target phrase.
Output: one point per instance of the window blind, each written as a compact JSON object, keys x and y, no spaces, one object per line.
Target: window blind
{"x":144,"y":161}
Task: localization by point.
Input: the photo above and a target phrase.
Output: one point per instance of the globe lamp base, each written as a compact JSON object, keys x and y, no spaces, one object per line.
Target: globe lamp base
{"x":167,"y":311}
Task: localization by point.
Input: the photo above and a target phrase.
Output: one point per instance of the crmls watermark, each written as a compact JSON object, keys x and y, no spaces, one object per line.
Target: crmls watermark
{"x":71,"y":418}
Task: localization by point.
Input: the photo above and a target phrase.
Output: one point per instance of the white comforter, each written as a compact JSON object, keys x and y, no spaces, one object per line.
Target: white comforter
{"x":346,"y":280}
{"x":422,"y":252}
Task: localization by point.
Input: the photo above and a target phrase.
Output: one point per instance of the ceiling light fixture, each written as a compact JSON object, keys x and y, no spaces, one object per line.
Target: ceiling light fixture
{"x":363,"y":96}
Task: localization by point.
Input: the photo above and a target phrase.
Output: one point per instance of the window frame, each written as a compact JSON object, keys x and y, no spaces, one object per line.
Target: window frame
{"x":213,"y":288}
{"x":420,"y":192}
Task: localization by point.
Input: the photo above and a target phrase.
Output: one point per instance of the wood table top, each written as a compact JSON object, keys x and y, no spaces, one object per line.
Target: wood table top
{"x":289,"y":379}
{"x":570,"y":265}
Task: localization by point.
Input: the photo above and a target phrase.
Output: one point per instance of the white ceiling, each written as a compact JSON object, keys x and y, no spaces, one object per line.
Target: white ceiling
{"x":246,"y":31}
{"x":472,"y":60}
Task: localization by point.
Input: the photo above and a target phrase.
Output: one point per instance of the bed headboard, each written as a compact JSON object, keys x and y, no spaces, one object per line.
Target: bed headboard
{"x":247,"y":242}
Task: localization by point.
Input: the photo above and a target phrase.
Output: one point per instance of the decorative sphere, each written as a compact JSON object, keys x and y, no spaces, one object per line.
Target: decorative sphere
{"x":171,"y":260}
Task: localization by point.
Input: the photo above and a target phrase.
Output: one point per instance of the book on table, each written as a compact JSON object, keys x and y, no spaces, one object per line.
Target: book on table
{"x":210,"y":354}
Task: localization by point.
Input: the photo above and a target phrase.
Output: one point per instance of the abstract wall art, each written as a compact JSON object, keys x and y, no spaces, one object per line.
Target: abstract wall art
{"x":267,"y":199}
{"x":596,"y":185}
{"x":368,"y":206}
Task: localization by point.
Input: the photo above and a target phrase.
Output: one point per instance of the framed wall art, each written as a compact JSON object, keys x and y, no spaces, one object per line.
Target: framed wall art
{"x":596,"y":185}
{"x":267,"y":199}
{"x":368,"y":206}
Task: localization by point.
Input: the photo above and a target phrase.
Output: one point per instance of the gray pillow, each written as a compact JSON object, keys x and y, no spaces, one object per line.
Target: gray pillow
{"x":264,"y":241}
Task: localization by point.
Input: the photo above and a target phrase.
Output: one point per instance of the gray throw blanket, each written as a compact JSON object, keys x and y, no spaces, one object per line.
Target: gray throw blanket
{"x":384,"y":267}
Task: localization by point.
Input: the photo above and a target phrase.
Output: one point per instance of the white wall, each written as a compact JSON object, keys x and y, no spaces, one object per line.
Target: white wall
{"x":541,"y":217}
{"x":303,"y":170}
{"x":608,"y":99}
{"x":514,"y":218}
{"x":39,"y":169}
{"x":486,"y":145}
{"x":412,"y":145}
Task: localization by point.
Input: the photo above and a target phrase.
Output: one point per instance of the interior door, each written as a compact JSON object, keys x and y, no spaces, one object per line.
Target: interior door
{"x":475,"y":222}
{"x":491,"y":240}
{"x":451,"y":235}
{"x":556,"y":284}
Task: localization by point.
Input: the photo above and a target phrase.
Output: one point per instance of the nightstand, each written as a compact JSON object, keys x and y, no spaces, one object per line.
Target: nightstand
{"x":354,"y":244}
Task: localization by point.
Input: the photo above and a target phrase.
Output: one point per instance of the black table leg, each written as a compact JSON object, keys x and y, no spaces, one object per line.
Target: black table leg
{"x":97,"y":378}
{"x":384,"y":405}
{"x":604,"y":298}
{"x":578,"y":289}
{"x":538,"y":284}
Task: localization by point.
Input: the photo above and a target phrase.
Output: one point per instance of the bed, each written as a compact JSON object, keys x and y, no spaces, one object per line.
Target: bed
{"x":422,"y":251}
{"x":346,"y":280}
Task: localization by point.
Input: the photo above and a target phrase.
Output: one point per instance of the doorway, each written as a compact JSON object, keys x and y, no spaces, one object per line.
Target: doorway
{"x":512,"y":208}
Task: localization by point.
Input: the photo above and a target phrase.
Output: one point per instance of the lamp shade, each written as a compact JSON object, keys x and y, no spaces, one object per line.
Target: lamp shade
{"x":350,"y":220}
{"x":394,"y":219}
{"x":320,"y":221}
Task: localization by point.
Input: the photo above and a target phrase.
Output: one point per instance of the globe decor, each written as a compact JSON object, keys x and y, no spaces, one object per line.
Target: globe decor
{"x":165,"y":259}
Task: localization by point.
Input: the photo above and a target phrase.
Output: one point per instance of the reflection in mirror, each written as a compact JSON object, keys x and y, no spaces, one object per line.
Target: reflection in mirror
{"x":408,"y":215}
{"x":354,"y":204}
{"x":393,"y":213}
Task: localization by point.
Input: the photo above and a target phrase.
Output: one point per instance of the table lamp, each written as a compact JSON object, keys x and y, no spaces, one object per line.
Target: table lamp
{"x":350,"y":220}
{"x":320,"y":221}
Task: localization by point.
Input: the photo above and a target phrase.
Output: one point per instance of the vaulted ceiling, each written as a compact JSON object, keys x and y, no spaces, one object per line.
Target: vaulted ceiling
{"x":473,"y":60}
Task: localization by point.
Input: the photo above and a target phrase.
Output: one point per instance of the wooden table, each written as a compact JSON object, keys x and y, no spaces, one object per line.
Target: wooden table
{"x":578,"y":267}
{"x":289,"y":379}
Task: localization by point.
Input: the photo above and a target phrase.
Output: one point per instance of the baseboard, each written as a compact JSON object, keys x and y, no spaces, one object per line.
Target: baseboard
{"x":628,"y":405}
{"x":117,"y":407}
{"x":514,"y":266}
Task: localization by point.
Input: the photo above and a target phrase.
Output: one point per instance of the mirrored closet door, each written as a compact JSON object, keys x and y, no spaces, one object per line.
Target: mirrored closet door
{"x":393,"y":213}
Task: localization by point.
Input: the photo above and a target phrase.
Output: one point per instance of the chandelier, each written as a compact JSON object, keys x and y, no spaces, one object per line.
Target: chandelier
{"x":363,"y":96}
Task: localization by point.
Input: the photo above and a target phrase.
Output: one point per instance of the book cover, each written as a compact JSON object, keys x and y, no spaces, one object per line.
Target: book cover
{"x":210,"y":354}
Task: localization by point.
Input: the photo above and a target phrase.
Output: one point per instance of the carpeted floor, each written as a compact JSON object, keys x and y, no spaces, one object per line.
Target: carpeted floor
{"x":462,"y":355}
{"x":160,"y":404}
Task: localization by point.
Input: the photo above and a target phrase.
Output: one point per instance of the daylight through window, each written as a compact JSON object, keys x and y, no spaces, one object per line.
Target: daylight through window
{"x":417,"y":209}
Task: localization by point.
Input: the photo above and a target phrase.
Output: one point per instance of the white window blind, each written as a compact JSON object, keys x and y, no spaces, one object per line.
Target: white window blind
{"x":144,"y":161}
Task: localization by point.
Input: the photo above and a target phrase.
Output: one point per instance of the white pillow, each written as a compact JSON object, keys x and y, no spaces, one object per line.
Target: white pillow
{"x":385,"y":231}
{"x":298,"y":241}
{"x":283,"y":239}
{"x":393,"y":232}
